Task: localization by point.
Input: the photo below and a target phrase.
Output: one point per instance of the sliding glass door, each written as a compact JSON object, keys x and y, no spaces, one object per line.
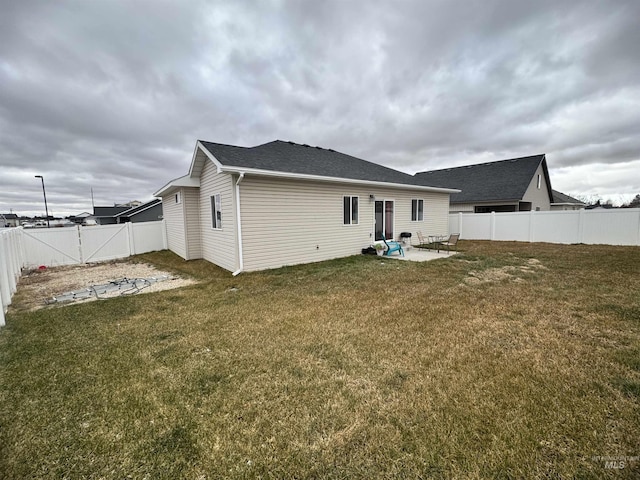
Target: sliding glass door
{"x":384,"y":219}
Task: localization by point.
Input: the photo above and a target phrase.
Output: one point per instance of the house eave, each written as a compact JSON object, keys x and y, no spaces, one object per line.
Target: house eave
{"x":492,"y":201}
{"x":195,"y":169}
{"x":176,"y":183}
{"x":545,"y":170}
{"x":321,"y":178}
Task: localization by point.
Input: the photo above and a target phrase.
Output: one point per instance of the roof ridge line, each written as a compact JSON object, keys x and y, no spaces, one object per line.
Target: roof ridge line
{"x":483,"y":163}
{"x":223,"y":144}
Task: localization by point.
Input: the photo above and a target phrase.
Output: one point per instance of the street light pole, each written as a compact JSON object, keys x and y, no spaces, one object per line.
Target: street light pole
{"x":46,"y":209}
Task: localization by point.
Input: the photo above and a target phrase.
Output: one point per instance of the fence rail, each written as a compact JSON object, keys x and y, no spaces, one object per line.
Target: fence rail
{"x":609,"y":227}
{"x":11,"y":259}
{"x":20,"y":248}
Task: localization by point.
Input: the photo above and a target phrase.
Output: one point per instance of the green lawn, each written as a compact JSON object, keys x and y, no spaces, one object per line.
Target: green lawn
{"x":509,"y":360}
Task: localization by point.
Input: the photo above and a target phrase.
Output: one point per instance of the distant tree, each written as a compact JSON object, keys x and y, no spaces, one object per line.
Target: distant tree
{"x":588,"y":199}
{"x":635,"y":203}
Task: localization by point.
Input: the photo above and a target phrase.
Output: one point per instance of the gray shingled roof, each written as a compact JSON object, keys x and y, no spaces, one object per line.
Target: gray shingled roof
{"x":559,"y":197}
{"x":505,"y":180}
{"x":134,"y":210}
{"x":108,"y":211}
{"x":292,"y":157}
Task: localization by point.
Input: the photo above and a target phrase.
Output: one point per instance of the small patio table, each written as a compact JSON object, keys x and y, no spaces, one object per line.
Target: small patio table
{"x":437,"y":240}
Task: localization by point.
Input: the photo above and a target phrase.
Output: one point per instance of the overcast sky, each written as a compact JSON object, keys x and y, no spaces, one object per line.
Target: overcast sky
{"x":113,"y":95}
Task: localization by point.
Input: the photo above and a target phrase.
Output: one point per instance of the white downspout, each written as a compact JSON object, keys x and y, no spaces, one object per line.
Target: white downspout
{"x":239,"y":223}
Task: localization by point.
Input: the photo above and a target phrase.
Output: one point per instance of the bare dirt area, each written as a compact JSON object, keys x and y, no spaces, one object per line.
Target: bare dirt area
{"x":509,"y":272}
{"x":38,"y":288}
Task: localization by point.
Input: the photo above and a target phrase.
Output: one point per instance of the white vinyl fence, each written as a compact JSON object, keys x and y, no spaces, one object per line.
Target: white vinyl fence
{"x":609,"y":227}
{"x":11,"y":259}
{"x":51,"y":247}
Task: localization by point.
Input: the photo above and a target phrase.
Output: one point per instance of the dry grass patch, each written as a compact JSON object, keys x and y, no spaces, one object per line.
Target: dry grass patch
{"x":353,"y":368}
{"x":508,"y":272}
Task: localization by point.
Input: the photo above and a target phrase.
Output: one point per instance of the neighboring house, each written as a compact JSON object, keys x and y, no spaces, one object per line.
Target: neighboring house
{"x":562,"y":201}
{"x":134,"y":211}
{"x":599,"y":206}
{"x":145,"y":212}
{"x":131,"y":204}
{"x":107,"y":215}
{"x":9,"y":220}
{"x":42,"y":221}
{"x":80,"y":218}
{"x":60,"y":222}
{"x":513,"y":185}
{"x":282,"y":203}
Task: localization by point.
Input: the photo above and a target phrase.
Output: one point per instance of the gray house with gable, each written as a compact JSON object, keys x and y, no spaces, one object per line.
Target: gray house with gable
{"x":150,"y":211}
{"x":512,"y":185}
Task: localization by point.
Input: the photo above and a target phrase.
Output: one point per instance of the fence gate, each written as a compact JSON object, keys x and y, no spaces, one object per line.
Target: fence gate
{"x":72,"y":246}
{"x":75,"y":245}
{"x":52,"y":247}
{"x":107,"y":242}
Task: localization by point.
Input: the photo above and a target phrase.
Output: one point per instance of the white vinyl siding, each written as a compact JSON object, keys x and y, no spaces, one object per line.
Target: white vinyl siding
{"x":538,"y":196}
{"x":461,"y":207}
{"x":174,"y":222}
{"x":286,"y":222}
{"x":219,"y":246}
{"x":191,"y":201}
{"x":182,"y":222}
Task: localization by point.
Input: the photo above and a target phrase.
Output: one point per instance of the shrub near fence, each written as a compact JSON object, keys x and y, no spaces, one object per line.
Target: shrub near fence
{"x":609,"y":227}
{"x":20,"y":248}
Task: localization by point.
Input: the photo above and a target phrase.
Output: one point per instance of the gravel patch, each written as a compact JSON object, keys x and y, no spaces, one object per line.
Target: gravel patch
{"x":37,"y":287}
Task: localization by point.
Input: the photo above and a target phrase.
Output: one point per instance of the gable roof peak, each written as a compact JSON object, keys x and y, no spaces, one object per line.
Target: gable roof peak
{"x":539,"y":157}
{"x":317,"y":147}
{"x":501,"y":180}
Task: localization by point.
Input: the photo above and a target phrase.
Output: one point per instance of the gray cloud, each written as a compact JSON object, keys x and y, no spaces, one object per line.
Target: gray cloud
{"x":112,"y":96}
